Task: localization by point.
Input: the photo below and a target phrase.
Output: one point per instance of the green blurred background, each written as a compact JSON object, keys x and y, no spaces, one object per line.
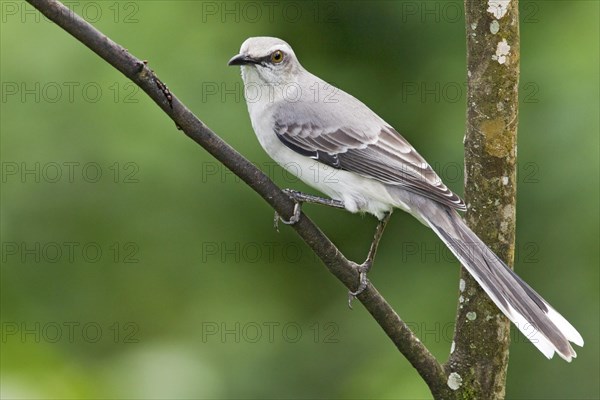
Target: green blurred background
{"x":135,"y":266}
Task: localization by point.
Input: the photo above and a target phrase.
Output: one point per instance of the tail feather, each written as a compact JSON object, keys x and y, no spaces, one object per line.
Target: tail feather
{"x":549,"y":331}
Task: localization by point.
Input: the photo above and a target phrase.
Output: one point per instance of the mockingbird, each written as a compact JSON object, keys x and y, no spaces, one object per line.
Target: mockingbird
{"x":336,"y":144}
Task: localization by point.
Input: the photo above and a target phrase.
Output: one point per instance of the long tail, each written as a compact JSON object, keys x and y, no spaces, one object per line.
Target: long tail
{"x":548,"y":330}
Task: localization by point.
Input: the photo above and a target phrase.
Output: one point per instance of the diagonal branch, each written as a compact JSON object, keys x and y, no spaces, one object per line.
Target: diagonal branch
{"x":136,"y":70}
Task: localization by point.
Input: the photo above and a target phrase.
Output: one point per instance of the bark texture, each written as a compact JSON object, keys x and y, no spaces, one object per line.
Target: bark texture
{"x":482,"y":334}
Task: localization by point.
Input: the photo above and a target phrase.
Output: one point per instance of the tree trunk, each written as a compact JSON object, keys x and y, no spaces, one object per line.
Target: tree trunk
{"x":478,"y":364}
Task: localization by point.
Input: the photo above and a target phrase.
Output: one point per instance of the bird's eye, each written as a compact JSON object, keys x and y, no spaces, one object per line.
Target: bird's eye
{"x":277,"y":56}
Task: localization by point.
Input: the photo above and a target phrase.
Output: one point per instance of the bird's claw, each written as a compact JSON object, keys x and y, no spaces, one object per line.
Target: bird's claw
{"x":362,"y":283}
{"x":293,"y":219}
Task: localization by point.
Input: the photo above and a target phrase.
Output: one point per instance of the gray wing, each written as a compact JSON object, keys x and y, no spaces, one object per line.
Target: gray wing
{"x":381,"y":154}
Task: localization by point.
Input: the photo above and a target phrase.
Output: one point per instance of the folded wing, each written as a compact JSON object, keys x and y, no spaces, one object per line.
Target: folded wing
{"x":383,"y":155}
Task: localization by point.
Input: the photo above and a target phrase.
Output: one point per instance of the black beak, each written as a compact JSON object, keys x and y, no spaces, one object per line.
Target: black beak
{"x":242,"y":59}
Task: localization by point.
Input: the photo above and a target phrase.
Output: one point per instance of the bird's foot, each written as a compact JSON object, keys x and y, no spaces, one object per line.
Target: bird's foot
{"x":363,"y":281}
{"x":300,"y":198}
{"x":293,"y":219}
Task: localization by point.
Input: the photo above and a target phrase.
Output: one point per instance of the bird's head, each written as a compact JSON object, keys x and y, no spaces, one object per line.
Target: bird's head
{"x":266,"y":60}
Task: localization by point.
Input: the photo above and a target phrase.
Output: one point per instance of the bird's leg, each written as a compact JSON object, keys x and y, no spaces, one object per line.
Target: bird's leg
{"x":363,"y":268}
{"x":366,"y":266}
{"x":300,"y":198}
